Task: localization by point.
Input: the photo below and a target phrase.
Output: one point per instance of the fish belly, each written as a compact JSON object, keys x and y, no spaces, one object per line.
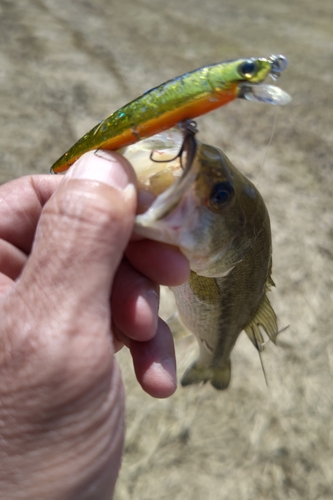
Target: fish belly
{"x":201,"y":314}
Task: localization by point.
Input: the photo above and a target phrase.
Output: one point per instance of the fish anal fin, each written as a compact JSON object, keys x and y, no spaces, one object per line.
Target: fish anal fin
{"x":265,"y":318}
{"x":218,"y":376}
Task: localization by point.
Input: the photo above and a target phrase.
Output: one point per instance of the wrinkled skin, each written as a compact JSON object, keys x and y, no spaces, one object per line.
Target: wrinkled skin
{"x":74,"y":289}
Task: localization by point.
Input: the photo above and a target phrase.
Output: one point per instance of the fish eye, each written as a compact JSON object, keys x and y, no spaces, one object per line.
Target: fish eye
{"x":248,"y":68}
{"x":220,"y":194}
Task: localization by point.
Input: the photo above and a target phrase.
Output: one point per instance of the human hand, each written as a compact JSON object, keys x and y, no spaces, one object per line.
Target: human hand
{"x":69,"y":299}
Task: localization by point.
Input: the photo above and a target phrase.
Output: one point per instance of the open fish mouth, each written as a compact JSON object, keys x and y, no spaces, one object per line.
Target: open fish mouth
{"x":166,"y":173}
{"x":165,"y":170}
{"x":170,"y":211}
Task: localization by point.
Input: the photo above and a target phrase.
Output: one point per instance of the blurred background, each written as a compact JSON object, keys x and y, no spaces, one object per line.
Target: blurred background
{"x":65,"y":65}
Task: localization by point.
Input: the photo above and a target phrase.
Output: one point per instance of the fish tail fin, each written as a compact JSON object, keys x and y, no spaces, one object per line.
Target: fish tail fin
{"x":221,"y":376}
{"x":218,"y":376}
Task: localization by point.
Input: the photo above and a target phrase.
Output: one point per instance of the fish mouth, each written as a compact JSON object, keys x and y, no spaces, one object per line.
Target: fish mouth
{"x":166,"y":173}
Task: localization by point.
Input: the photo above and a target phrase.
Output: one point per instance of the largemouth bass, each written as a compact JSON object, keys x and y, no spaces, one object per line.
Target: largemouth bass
{"x":218,"y":219}
{"x":182,"y":98}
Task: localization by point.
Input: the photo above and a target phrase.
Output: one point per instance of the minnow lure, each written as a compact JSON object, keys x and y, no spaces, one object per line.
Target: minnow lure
{"x":180,"y":99}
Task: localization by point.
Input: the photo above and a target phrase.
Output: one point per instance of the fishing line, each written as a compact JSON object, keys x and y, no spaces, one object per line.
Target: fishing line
{"x":260,"y":349}
{"x":263,"y":368}
{"x":268,"y":146}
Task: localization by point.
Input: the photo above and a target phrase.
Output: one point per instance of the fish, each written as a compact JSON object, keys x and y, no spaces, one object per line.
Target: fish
{"x":201,"y":203}
{"x":181,"y":99}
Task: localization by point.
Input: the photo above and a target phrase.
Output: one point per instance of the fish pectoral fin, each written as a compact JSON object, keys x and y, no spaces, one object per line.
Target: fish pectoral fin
{"x":266,"y":318}
{"x":177,"y":327}
{"x":218,"y":376}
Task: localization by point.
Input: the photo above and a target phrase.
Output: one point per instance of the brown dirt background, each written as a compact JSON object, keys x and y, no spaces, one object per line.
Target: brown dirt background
{"x":65,"y":65}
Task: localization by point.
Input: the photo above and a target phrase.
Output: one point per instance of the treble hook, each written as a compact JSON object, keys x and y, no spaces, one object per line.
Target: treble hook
{"x":279,"y":64}
{"x":189,"y":145}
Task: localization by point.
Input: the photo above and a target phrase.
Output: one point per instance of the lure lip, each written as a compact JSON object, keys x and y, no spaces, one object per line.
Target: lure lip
{"x":269,"y":94}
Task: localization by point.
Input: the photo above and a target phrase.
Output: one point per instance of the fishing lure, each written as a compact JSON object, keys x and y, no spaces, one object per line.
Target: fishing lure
{"x":181,"y":99}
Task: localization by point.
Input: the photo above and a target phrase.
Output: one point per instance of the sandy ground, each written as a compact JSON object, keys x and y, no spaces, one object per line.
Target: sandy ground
{"x":65,"y":65}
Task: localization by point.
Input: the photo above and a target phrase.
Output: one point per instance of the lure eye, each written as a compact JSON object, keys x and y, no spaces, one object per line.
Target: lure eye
{"x":248,"y":68}
{"x":220,"y":195}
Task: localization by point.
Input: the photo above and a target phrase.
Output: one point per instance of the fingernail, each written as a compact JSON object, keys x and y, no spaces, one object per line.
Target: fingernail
{"x":103,"y":168}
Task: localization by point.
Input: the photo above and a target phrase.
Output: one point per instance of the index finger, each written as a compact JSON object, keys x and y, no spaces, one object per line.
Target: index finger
{"x":21,"y":203}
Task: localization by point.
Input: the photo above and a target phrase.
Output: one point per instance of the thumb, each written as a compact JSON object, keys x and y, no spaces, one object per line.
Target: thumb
{"x":83,"y":231}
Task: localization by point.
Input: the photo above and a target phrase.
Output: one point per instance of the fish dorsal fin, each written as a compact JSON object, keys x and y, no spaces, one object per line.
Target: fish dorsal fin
{"x":264,"y":317}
